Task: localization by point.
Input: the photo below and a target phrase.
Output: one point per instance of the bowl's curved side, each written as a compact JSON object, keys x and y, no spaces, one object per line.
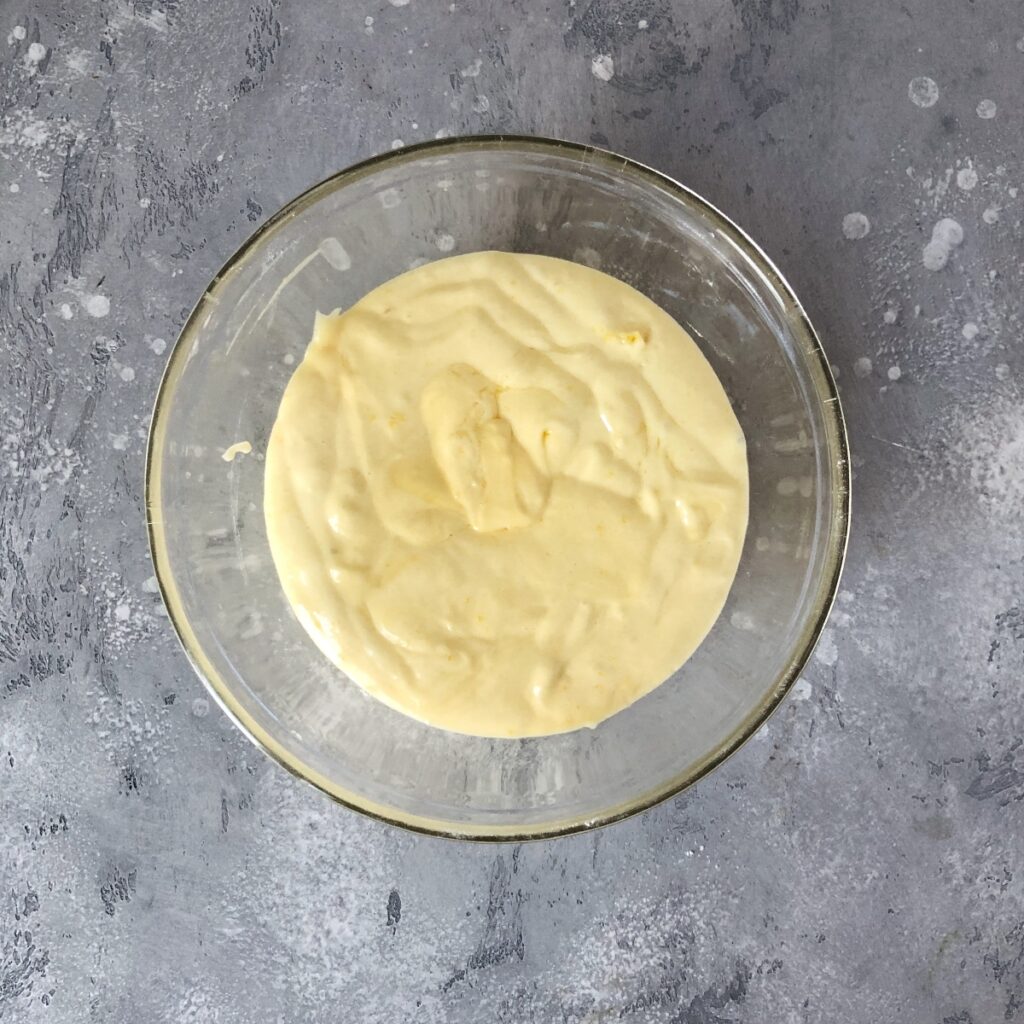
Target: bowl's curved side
{"x":835,"y":450}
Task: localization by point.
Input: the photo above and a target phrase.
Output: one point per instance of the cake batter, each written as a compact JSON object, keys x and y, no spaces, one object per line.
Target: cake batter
{"x":506,"y":494}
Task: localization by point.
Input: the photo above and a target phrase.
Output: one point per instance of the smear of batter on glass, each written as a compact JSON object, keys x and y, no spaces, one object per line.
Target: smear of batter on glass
{"x":238,"y":448}
{"x":506,"y":494}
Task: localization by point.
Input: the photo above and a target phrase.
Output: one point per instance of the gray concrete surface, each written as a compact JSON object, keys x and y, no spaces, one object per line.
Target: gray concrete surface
{"x":860,"y":860}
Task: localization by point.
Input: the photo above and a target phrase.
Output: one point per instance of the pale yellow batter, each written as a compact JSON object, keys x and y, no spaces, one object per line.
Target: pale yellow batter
{"x":506,"y":494}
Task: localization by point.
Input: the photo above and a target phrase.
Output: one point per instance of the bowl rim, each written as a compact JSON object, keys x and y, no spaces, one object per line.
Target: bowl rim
{"x":835,"y":555}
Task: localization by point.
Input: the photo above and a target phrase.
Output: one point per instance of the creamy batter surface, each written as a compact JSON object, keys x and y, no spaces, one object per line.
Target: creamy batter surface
{"x":506,"y":494}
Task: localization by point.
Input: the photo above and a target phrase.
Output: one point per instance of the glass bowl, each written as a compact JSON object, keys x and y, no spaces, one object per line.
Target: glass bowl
{"x":325,"y":250}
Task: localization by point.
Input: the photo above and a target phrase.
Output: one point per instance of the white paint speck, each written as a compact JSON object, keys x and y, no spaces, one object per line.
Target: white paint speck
{"x":65,"y":311}
{"x":987,"y":110}
{"x":399,"y":3}
{"x":127,"y":374}
{"x":368,"y":21}
{"x":967,"y":178}
{"x":481,"y":104}
{"x":856,"y":225}
{"x":200,"y":707}
{"x":16,"y":35}
{"x":444,"y":242}
{"x":150,"y":586}
{"x":990,"y":447}
{"x":472,"y":70}
{"x":119,"y":442}
{"x":96,"y":305}
{"x":603,"y":67}
{"x":397,"y":143}
{"x":801,"y":689}
{"x":288,"y":359}
{"x":441,"y":133}
{"x":826,"y":652}
{"x":334,"y":252}
{"x":122,"y":613}
{"x":15,"y":187}
{"x":36,"y":52}
{"x":158,"y":345}
{"x":934,"y":256}
{"x":642,"y":23}
{"x":889,"y":316}
{"x":990,"y":215}
{"x":862,"y":367}
{"x":946,"y":236}
{"x":144,"y":202}
{"x":970,"y":330}
{"x":26,"y":130}
{"x":923,"y":91}
{"x":894,"y":373}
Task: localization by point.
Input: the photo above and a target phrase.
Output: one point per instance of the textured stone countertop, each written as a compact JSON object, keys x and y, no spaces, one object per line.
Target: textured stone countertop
{"x":861,"y":859}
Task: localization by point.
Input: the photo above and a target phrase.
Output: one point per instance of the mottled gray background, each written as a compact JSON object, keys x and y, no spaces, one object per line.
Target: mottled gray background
{"x":859,"y":860}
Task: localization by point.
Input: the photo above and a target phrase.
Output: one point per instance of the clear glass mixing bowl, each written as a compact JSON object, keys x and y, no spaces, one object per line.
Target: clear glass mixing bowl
{"x":331,"y":246}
